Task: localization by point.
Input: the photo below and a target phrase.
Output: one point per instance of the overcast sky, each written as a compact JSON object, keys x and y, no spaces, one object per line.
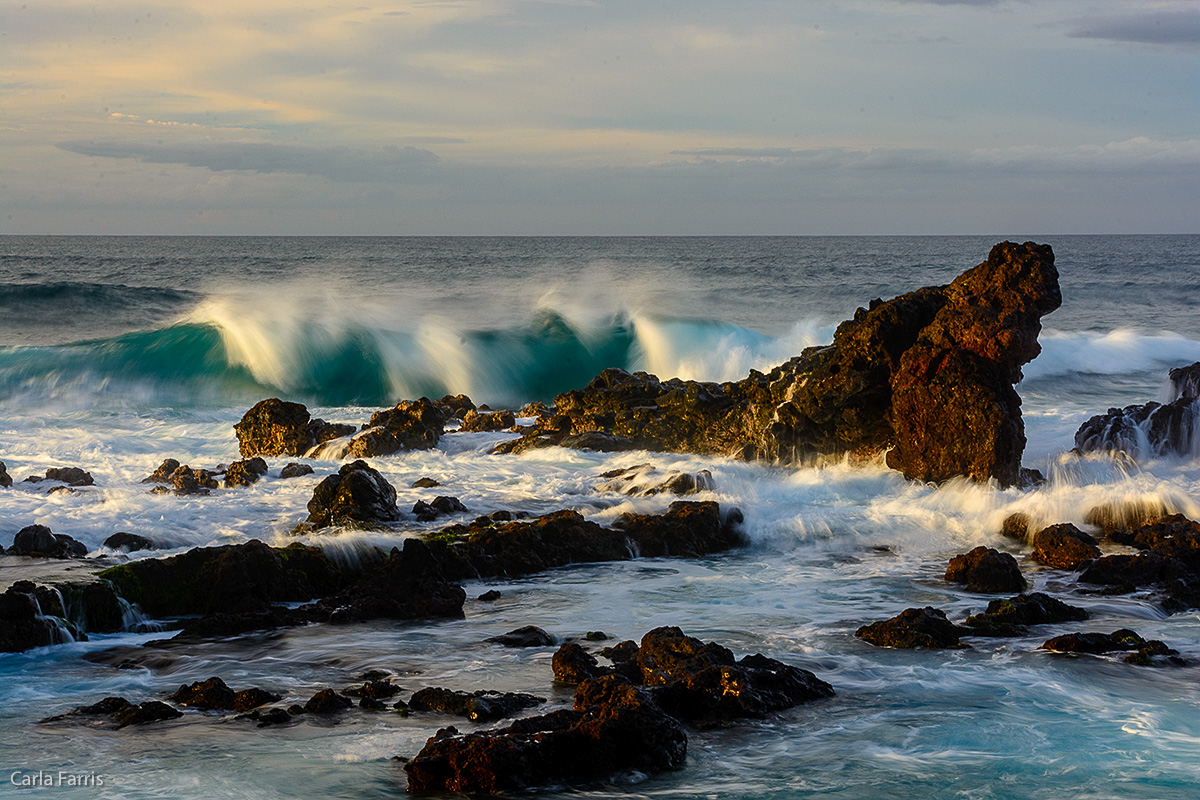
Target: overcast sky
{"x":599,"y":116}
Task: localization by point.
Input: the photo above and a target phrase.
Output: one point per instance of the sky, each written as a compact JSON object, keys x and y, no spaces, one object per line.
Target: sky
{"x":599,"y":117}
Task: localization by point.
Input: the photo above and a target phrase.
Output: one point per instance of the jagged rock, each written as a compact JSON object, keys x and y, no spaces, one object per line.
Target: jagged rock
{"x":278,"y":428}
{"x":440,"y":506}
{"x":1009,"y":617}
{"x":573,"y":664}
{"x":22,"y":623}
{"x":613,"y":727}
{"x":163,"y":473}
{"x":927,"y":377}
{"x":71,"y":476}
{"x":356,"y":494}
{"x":121,"y":712}
{"x":1121,"y":640}
{"x":425,"y":483}
{"x":268,"y":716}
{"x":645,"y":480}
{"x":457,"y":406}
{"x":244,"y":473}
{"x":5,"y":479}
{"x":410,"y":425}
{"x":228,"y":579}
{"x":481,"y":706}
{"x":1114,"y":519}
{"x":528,"y":636}
{"x":95,"y":606}
{"x":565,"y":537}
{"x":536,"y":409}
{"x":1015,"y":526}
{"x":1169,"y":428}
{"x":294,"y":470}
{"x":621,"y":652}
{"x":40,"y":542}
{"x":490,"y":596}
{"x":380,"y":689}
{"x":914,"y":627}
{"x":1064,"y":546}
{"x":986,"y":569}
{"x":129,"y":542}
{"x":408,"y":585}
{"x":327,"y":701}
{"x":475,"y":421}
{"x":214,"y":695}
{"x":1170,"y":534}
{"x":183,"y":479}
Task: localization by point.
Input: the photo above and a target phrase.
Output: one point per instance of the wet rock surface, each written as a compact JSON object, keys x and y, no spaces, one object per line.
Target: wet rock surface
{"x":1064,"y":546}
{"x":645,"y":480}
{"x":410,"y":425}
{"x":129,"y":542}
{"x":356,"y":494}
{"x":214,"y":695}
{"x":120,"y":713}
{"x":527,"y":636}
{"x":928,"y":374}
{"x":295,"y":470}
{"x":1010,"y":617}
{"x":38,"y":541}
{"x":985,"y":569}
{"x":5,"y":479}
{"x":480,"y":706}
{"x":1161,"y":428}
{"x":476,"y":421}
{"x":245,"y":473}
{"x":440,"y":506}
{"x":275,"y":427}
{"x":23,"y":624}
{"x":71,"y":476}
{"x":1117,"y":641}
{"x":925,"y":628}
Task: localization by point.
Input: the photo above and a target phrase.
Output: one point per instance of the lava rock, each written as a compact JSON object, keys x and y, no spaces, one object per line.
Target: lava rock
{"x":1015,"y":526}
{"x":986,"y":569}
{"x":71,"y":476}
{"x":327,"y":701}
{"x":441,"y":506}
{"x":528,"y":636}
{"x":425,"y":483}
{"x":1064,"y":546}
{"x":375,"y":689}
{"x":644,"y":480}
{"x":410,"y":425}
{"x":1115,"y":519}
{"x":408,"y":585}
{"x":244,"y":473}
{"x":573,"y":664}
{"x":1009,"y":617}
{"x":39,"y":541}
{"x":275,"y":427}
{"x":914,"y":628}
{"x":5,"y":479}
{"x":490,"y":596}
{"x":295,"y":470}
{"x":481,"y":706}
{"x":356,"y":494}
{"x":689,"y":529}
{"x":475,"y":421}
{"x":23,"y":625}
{"x":214,"y":695}
{"x":457,"y":406}
{"x":122,"y":712}
{"x":1099,"y":643}
{"x":129,"y":542}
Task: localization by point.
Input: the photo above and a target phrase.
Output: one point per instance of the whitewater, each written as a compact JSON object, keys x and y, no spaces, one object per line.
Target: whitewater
{"x":116,"y":353}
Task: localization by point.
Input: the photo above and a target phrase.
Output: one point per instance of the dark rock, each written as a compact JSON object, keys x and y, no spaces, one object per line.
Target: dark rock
{"x":1015,"y":526}
{"x":482,"y":706}
{"x":277,"y":428}
{"x":441,"y":506}
{"x":411,"y":425}
{"x":1185,"y":382}
{"x":474,"y":421}
{"x":185,"y":480}
{"x":986,"y":569}
{"x":914,"y":627}
{"x":269,"y":716}
{"x":122,"y":713}
{"x":72,"y":476}
{"x":927,"y":376}
{"x":164,"y":472}
{"x":253,"y":697}
{"x":621,"y":652}
{"x":1064,"y":546}
{"x":129,"y":542}
{"x":1167,"y":429}
{"x":528,"y":636}
{"x":244,"y":473}
{"x":5,"y":479}
{"x":94,"y":606}
{"x":645,"y":480}
{"x":455,"y":406}
{"x":425,"y":483}
{"x":294,"y":470}
{"x":573,"y":664}
{"x":327,"y":701}
{"x":40,"y":542}
{"x":356,"y":494}
{"x":211,"y":694}
{"x":375,"y":689}
{"x":1117,"y":641}
{"x":688,"y":529}
{"x":228,"y":579}
{"x":408,"y":585}
{"x":490,"y":596}
{"x":596,"y":636}
{"x":1143,"y":569}
{"x":614,"y":727}
{"x":1009,"y":617}
{"x":23,"y":624}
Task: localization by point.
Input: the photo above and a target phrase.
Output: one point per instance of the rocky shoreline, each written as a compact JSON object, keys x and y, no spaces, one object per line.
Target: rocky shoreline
{"x":923,"y":382}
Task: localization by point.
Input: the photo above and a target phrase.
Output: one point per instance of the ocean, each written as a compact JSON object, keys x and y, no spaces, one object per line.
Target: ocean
{"x":119,"y":352}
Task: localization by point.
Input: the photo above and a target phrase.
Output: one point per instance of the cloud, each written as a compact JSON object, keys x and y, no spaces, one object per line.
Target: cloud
{"x":1170,"y":26}
{"x":335,"y":163}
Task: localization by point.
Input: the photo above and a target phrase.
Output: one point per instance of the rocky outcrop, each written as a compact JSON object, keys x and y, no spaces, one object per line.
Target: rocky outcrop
{"x":410,"y":425}
{"x":121,"y":713}
{"x":294,"y":470}
{"x":244,"y":473}
{"x":275,"y":427}
{"x":914,"y":627}
{"x":927,"y":376}
{"x":1011,"y":616}
{"x":526,"y":636}
{"x":1150,"y":429}
{"x":1063,"y":546}
{"x":1169,"y":562}
{"x":480,"y":706}
{"x":986,"y":569}
{"x":39,"y":541}
{"x":409,"y":584}
{"x":1117,"y":641}
{"x":182,"y":479}
{"x":644,"y":480}
{"x":214,"y":695}
{"x":613,"y":727}
{"x":5,"y":479}
{"x":487,"y":549}
{"x":71,"y":476}
{"x":477,"y":421}
{"x":438,"y":507}
{"x":23,"y":625}
{"x":356,"y":494}
{"x":128,"y":542}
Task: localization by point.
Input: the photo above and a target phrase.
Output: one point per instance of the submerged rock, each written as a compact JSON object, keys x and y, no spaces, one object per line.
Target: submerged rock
{"x":1121,"y":640}
{"x":356,"y":494}
{"x":481,"y":706}
{"x":927,"y":377}
{"x":613,"y":727}
{"x":129,"y":542}
{"x":327,"y":701}
{"x":439,"y":506}
{"x":275,"y":427}
{"x":294,"y":470}
{"x":914,"y":627}
{"x":121,"y":712}
{"x":644,"y":480}
{"x":527,"y":636}
{"x":986,"y":569}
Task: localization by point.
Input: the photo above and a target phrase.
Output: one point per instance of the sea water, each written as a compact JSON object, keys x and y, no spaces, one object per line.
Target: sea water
{"x":116,"y":353}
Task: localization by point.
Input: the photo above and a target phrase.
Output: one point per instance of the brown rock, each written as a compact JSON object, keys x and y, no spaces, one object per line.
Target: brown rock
{"x":986,"y":569}
{"x":1064,"y":546}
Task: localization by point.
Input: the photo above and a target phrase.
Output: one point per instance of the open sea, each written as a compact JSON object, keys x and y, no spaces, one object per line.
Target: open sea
{"x":119,"y":352}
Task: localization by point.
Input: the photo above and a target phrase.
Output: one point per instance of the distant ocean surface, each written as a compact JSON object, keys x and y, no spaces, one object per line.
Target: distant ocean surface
{"x":119,"y":352}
